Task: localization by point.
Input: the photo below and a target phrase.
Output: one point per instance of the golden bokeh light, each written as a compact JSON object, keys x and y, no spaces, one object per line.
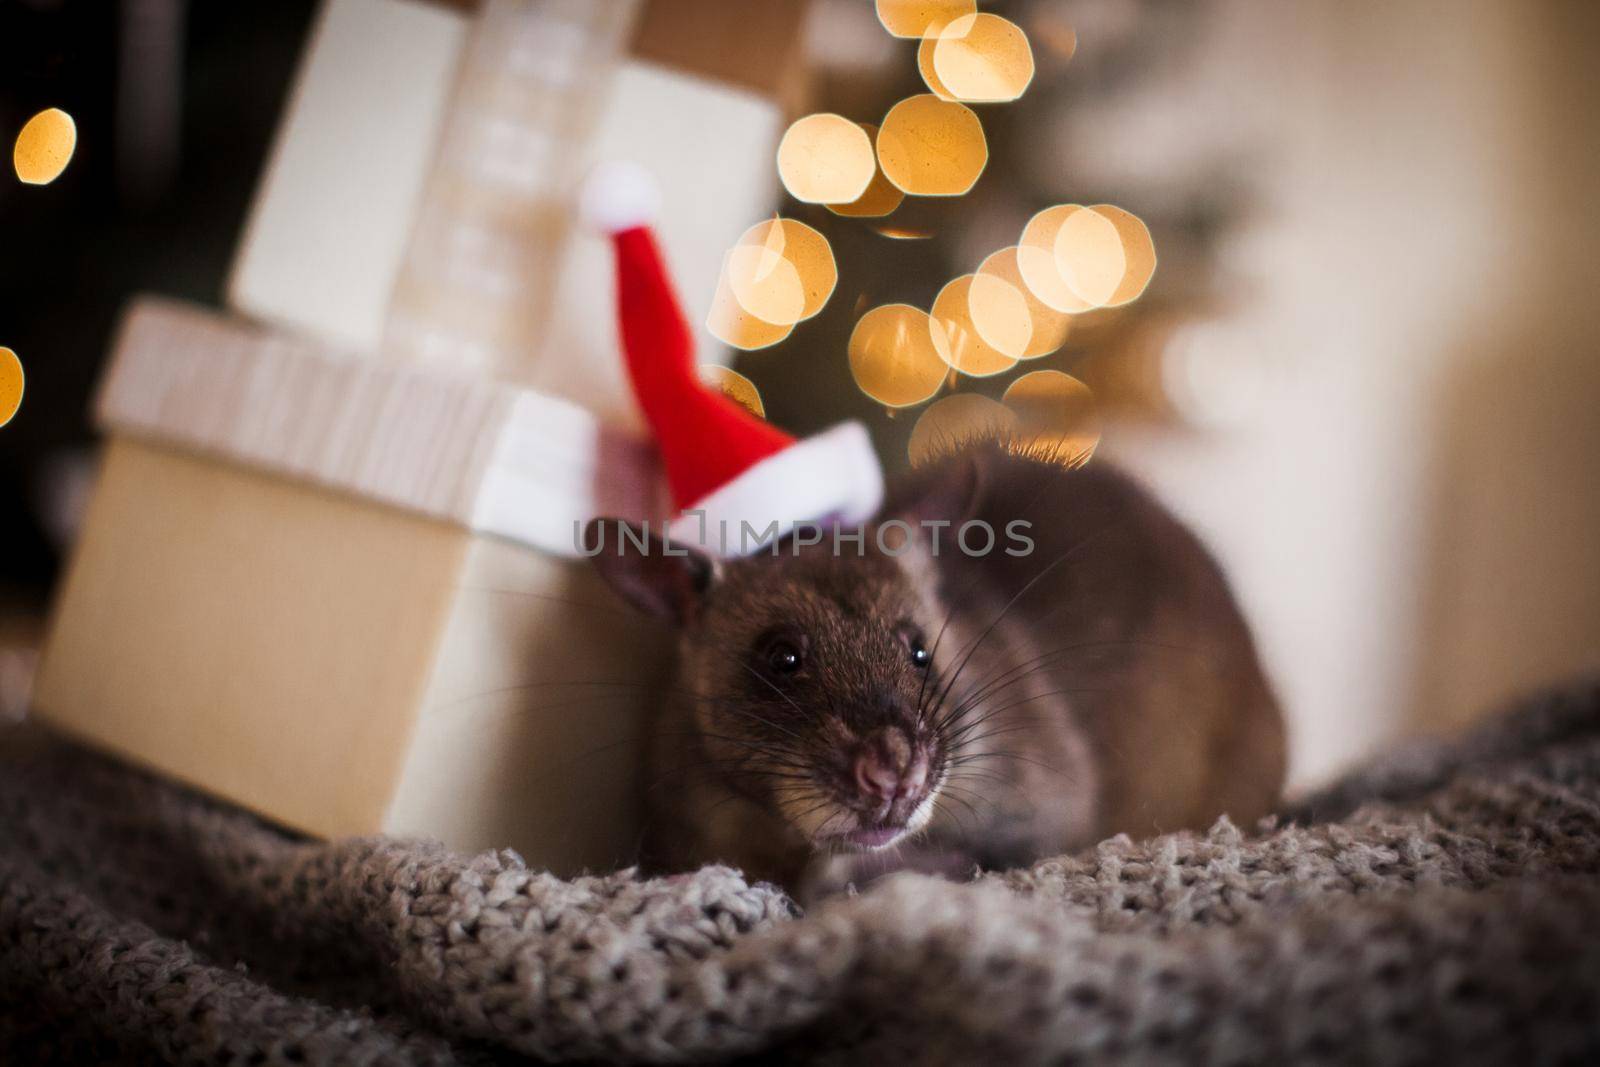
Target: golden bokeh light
{"x":1056,"y":417}
{"x":921,"y":18}
{"x":892,"y":356}
{"x":958,"y":421}
{"x":781,"y":271}
{"x":932,"y":147}
{"x":1049,"y":326}
{"x":1138,"y":249}
{"x":733,"y":325}
{"x":766,"y":284}
{"x":902,"y":233}
{"x":807,"y":250}
{"x":1036,"y":260}
{"x":45,"y":146}
{"x":1056,"y":36}
{"x":1089,"y":256}
{"x":11,"y":385}
{"x":881,"y":197}
{"x":735,"y":386}
{"x":956,"y":337}
{"x":930,"y":76}
{"x":999,"y":312}
{"x":983,"y":58}
{"x":826,"y":159}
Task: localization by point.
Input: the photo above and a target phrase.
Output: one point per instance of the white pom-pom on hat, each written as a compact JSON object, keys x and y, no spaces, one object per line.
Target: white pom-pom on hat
{"x":617,"y":196}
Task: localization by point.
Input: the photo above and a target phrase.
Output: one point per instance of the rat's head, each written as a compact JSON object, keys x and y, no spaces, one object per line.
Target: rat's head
{"x":811,"y":670}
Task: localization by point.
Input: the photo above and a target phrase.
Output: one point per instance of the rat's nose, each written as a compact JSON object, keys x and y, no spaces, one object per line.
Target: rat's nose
{"x":875,"y":779}
{"x":889,"y":769}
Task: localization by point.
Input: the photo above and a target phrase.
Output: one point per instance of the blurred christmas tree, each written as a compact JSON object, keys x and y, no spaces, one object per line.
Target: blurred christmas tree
{"x":1074,"y":136}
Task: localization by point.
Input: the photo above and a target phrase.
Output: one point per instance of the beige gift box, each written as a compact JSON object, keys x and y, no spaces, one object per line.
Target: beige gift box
{"x":327,"y":571}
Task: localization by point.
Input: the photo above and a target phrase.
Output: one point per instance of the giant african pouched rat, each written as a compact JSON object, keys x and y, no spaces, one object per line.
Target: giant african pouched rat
{"x":849,"y":706}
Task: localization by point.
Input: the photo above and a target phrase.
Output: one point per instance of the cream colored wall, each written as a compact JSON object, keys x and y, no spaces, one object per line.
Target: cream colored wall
{"x":1514,"y":593}
{"x":1411,"y":515}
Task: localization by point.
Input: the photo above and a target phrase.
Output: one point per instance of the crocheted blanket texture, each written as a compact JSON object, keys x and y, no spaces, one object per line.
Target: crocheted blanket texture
{"x":1440,"y":905}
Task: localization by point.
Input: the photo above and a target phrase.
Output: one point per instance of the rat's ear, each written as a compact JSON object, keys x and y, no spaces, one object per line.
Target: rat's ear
{"x":949,"y":490}
{"x":654,"y":575}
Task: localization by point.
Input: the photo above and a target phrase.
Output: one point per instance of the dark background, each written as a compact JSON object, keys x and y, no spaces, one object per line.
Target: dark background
{"x":127,"y":215}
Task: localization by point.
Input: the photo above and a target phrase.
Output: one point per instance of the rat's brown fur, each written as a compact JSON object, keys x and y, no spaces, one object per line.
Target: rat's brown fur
{"x":1104,"y":682}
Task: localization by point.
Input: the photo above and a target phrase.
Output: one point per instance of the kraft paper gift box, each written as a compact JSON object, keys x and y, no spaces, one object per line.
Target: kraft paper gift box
{"x":328,"y":568}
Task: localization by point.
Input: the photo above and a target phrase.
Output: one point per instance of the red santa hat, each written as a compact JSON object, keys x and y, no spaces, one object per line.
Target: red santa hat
{"x":730,"y":472}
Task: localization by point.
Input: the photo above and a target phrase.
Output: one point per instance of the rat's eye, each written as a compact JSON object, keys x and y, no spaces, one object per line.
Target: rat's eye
{"x":783,"y":657}
{"x":912,"y":637}
{"x":780,"y":652}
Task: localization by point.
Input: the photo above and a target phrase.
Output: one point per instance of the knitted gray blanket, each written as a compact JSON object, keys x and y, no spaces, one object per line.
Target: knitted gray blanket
{"x":1440,"y":906}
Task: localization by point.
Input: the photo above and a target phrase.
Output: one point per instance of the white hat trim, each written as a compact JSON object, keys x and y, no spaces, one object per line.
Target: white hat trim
{"x":832,"y":476}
